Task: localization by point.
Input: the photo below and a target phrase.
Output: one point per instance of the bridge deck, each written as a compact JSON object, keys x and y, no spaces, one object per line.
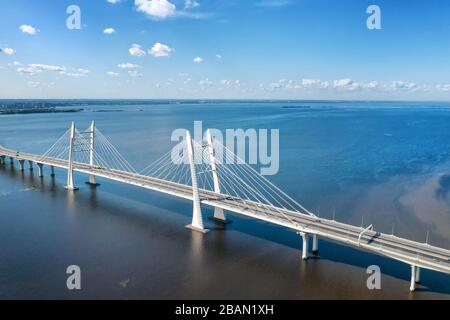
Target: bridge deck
{"x":411,"y":252}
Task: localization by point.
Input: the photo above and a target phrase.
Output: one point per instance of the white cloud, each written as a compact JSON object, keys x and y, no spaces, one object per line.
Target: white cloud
{"x":160,"y":50}
{"x":229,"y":83}
{"x":77,"y":73}
{"x":8,"y":51}
{"x":402,"y":85}
{"x":159,"y":9}
{"x":135,"y":74}
{"x":290,"y":85}
{"x":109,"y":31}
{"x":443,"y":87}
{"x":33,"y":83}
{"x":83,"y":71}
{"x":218,"y":56}
{"x":128,"y":66}
{"x":28,"y":29}
{"x":74,"y":75}
{"x":310,"y":82}
{"x":342,"y":83}
{"x":198,"y":60}
{"x":309,"y":86}
{"x":112,"y":74}
{"x":189,"y":4}
{"x":46,"y":67}
{"x":205,"y":83}
{"x":347,"y":84}
{"x":136,"y":51}
{"x":113,"y":1}
{"x":28,"y":70}
{"x":35,"y":68}
{"x":163,"y":9}
{"x":371,"y":85}
{"x":325,"y":85}
{"x":275,"y":86}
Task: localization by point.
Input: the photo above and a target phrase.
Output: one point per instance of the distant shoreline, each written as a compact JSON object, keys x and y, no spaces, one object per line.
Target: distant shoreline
{"x":37,"y":110}
{"x":132,"y":101}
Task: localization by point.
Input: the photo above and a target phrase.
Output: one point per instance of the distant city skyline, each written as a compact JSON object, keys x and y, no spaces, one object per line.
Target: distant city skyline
{"x":198,"y":49}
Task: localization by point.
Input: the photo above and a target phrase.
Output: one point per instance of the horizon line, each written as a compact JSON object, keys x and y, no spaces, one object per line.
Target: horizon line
{"x":224,"y":99}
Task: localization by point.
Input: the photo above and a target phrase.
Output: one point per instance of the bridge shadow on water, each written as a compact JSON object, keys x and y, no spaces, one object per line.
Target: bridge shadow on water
{"x":328,"y":250}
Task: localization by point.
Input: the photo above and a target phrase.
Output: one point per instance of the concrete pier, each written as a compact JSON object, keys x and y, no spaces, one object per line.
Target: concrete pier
{"x":305,"y":245}
{"x":315,"y":245}
{"x":22,"y":165}
{"x":41,"y":169}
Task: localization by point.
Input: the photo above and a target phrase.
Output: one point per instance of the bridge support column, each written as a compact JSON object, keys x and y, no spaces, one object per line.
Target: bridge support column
{"x":219,"y":215}
{"x":52,"y":168}
{"x":417,"y":274}
{"x":92,"y":181}
{"x":197,"y":220}
{"x":305,"y":238}
{"x":2,"y":160}
{"x":22,"y":163}
{"x":41,"y":169}
{"x":11,"y":160}
{"x":30,"y":163}
{"x":412,"y":286}
{"x":70,"y":185}
{"x":315,"y":245}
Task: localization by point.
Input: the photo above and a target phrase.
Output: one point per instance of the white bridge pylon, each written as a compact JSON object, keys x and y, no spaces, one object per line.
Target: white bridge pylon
{"x":210,"y":166}
{"x":219,"y":214}
{"x":88,"y":148}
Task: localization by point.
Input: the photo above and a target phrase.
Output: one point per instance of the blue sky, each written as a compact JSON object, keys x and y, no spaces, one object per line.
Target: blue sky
{"x":267,"y":49}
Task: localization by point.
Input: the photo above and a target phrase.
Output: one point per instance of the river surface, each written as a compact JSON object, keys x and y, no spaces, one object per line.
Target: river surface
{"x":380,"y":163}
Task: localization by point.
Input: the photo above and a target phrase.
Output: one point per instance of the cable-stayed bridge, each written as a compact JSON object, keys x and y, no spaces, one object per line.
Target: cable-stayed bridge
{"x":209,"y":174}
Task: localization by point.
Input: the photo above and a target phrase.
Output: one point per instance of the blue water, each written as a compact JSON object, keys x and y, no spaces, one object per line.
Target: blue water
{"x":380,"y":163}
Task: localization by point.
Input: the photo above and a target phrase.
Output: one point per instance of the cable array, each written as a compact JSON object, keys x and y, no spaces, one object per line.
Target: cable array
{"x":238,"y":182}
{"x":104,"y":154}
